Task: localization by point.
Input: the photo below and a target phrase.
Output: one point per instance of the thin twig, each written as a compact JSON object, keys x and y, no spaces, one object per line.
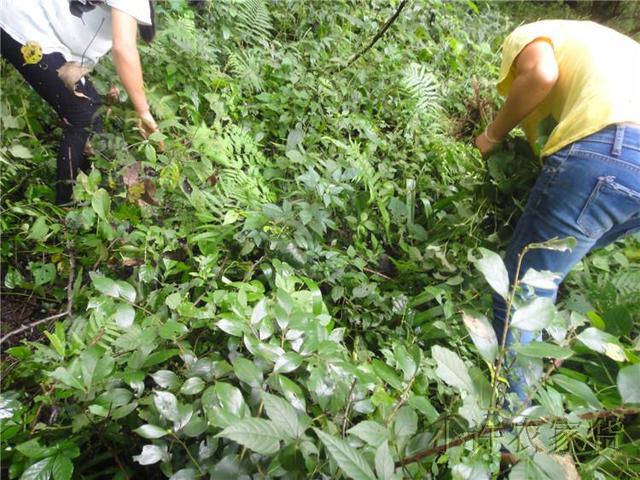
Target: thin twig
{"x":347,"y":410}
{"x":616,"y":412}
{"x":380,"y":274}
{"x":29,"y":326}
{"x":378,"y":35}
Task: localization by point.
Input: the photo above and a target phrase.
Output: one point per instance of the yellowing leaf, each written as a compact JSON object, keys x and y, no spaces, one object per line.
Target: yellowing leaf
{"x":31,"y":52}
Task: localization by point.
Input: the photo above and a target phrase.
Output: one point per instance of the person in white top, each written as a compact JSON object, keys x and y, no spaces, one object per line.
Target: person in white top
{"x":54,"y":43}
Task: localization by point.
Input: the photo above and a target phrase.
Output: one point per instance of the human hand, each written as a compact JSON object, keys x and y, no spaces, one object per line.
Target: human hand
{"x":486,"y":144}
{"x":147,"y":126}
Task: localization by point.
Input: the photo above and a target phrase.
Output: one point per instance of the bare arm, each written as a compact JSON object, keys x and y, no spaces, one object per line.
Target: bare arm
{"x":127,"y":62}
{"x":536,"y":75}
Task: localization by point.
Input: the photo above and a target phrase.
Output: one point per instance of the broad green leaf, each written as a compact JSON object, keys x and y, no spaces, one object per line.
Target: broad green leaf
{"x":184,"y":474}
{"x":124,"y":316}
{"x":602,"y":342}
{"x":63,"y":375}
{"x":482,"y":334}
{"x":62,"y":468}
{"x":20,"y":151}
{"x":495,"y":273}
{"x":247,"y":371}
{"x":39,"y":229}
{"x":192,"y":386}
{"x":350,"y":461}
{"x":230,"y":399}
{"x":629,"y":383}
{"x":172,"y":301}
{"x":33,"y":449}
{"x":557,"y":244}
{"x":167,"y":405}
{"x":535,"y":315}
{"x":577,"y":389}
{"x":126,"y":291}
{"x":371,"y":432}
{"x":259,"y":312}
{"x":543,"y":350}
{"x":101,"y":203}
{"x":405,"y":361}
{"x":451,"y":369}
{"x":151,"y":431}
{"x":39,"y":471}
{"x":385,"y":465}
{"x":261,"y":436}
{"x":165,"y":379}
{"x":545,"y":279}
{"x":406,"y":422}
{"x":386,"y":373}
{"x":104,"y":285}
{"x":283,"y":415}
{"x":152,"y":454}
{"x":287,"y":363}
{"x":424,"y":406}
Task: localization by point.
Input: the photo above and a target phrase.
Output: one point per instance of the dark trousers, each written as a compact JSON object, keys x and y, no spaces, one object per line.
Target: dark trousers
{"x":79,"y":114}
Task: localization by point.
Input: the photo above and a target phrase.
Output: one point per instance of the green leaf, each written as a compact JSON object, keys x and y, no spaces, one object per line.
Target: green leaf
{"x":535,"y":315}
{"x":406,"y":423}
{"x":261,"y":436}
{"x":495,"y":273}
{"x":385,"y":465}
{"x":259,"y":312}
{"x":602,"y":342}
{"x":283,"y":415}
{"x":231,"y":399}
{"x":629,"y":383}
{"x":557,"y":244}
{"x":62,"y":468}
{"x":152,"y":454}
{"x":39,"y":229}
{"x":101,"y":203}
{"x":167,"y":405}
{"x":543,"y":350}
{"x":124,"y":316}
{"x":545,"y":279}
{"x":20,"y":151}
{"x":247,"y":371}
{"x":577,"y":389}
{"x":192,"y":386}
{"x":39,"y":471}
{"x":386,"y":373}
{"x":287,"y":363}
{"x":482,"y":334}
{"x":33,"y":449}
{"x":63,"y":375}
{"x":151,"y":431}
{"x":126,"y":291}
{"x":350,"y":461}
{"x":451,"y":369}
{"x":371,"y":432}
{"x":104,"y":285}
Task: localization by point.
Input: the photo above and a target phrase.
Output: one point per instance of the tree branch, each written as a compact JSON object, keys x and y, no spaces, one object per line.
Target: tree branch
{"x":616,"y":412}
{"x":378,"y":35}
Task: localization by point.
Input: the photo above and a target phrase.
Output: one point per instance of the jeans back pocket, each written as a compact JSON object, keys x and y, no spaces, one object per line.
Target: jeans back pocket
{"x":609,"y":204}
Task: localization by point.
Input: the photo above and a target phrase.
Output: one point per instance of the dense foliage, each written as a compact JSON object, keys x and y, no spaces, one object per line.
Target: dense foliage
{"x":294,"y":286}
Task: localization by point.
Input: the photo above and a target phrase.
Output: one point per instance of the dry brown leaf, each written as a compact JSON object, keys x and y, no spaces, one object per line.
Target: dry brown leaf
{"x":131,"y":174}
{"x":568,"y":466}
{"x":70,"y":73}
{"x":149,"y":192}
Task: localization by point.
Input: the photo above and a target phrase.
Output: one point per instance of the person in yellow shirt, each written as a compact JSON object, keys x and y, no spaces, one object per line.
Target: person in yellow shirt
{"x":587,"y":77}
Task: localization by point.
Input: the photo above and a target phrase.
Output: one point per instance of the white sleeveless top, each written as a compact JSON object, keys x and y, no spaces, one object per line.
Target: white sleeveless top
{"x":51,"y":24}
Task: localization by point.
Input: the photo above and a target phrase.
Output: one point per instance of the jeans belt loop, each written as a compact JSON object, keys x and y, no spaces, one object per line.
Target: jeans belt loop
{"x":617,"y":142}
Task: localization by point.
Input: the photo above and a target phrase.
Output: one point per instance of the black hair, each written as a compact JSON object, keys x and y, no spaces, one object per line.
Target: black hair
{"x":147,"y":32}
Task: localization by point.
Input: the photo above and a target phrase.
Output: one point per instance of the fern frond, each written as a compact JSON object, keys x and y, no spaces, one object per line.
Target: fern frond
{"x":423,"y":87}
{"x":254,"y":21}
{"x":627,"y":283}
{"x":247,"y":68}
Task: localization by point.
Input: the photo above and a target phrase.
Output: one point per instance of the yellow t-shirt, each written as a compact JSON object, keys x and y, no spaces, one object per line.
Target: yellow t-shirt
{"x":598,"y":82}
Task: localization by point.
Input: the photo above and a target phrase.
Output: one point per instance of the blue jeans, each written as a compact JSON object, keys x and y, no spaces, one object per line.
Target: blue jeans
{"x":589,"y":190}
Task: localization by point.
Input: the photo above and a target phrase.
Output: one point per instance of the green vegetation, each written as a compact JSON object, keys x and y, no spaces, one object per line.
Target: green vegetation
{"x":295,"y":286}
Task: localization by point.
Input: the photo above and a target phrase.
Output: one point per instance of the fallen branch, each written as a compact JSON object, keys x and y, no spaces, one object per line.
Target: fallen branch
{"x":67,"y":311}
{"x":378,"y":35}
{"x":616,"y":412}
